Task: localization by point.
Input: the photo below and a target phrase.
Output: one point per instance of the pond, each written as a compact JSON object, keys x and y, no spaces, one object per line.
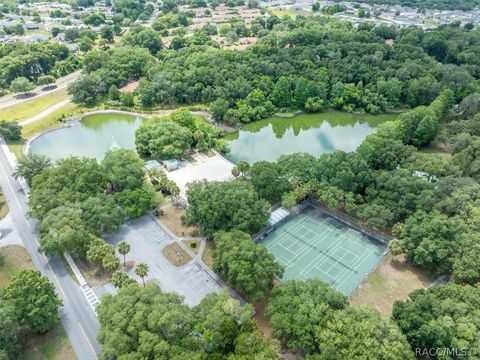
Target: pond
{"x":92,"y":137}
{"x":311,"y":133}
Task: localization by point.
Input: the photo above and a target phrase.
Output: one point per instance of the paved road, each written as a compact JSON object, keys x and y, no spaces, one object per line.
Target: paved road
{"x":9,"y":100}
{"x":78,"y":319}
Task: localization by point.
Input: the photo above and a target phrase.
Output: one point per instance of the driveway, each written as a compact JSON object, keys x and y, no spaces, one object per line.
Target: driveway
{"x":147,"y":239}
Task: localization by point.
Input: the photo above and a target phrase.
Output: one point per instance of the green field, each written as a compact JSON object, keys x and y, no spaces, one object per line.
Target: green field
{"x":290,"y":12}
{"x":3,"y":206}
{"x":27,"y":109}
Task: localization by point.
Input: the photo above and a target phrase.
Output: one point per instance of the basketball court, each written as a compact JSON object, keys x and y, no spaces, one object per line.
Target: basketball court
{"x":313,"y":244}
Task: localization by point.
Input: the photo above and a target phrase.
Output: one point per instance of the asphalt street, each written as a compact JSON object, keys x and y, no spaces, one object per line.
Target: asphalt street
{"x":78,"y":319}
{"x":61,"y":83}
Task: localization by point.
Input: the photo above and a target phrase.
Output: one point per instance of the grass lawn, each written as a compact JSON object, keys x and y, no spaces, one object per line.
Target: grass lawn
{"x":176,"y":255}
{"x":13,"y":258}
{"x":50,"y":120}
{"x":437,"y":149}
{"x":54,"y":345}
{"x":207,"y":255}
{"x":290,"y":12}
{"x":30,"y":108}
{"x":3,"y":206}
{"x":199,"y":120}
{"x":393,"y":280}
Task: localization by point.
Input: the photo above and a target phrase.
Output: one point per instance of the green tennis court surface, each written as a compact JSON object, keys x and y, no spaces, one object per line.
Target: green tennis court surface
{"x":313,"y":244}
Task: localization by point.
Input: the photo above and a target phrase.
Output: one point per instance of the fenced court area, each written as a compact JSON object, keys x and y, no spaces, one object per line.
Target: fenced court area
{"x":314,"y":244}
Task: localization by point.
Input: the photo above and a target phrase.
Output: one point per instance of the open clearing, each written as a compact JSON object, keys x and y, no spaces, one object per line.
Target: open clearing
{"x":172,"y":218}
{"x":94,"y":275}
{"x":207,"y":255}
{"x":194,"y":245}
{"x":13,"y":258}
{"x":393,"y":280}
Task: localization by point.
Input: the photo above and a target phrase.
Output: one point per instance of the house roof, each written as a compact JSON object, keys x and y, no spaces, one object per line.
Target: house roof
{"x":152,"y":164}
{"x":170,"y":162}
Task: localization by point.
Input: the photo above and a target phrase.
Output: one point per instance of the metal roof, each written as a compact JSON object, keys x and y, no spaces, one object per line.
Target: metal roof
{"x":277,"y":216}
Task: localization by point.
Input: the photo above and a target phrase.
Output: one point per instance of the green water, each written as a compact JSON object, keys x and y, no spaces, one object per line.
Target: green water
{"x":311,"y":133}
{"x":91,"y":137}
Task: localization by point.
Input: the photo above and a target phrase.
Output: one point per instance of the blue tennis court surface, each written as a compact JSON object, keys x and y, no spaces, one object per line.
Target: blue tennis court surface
{"x":313,"y":244}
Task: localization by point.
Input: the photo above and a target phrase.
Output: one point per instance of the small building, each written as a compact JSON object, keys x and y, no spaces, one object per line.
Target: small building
{"x":170,"y":164}
{"x":152,"y":164}
{"x":278,"y":216}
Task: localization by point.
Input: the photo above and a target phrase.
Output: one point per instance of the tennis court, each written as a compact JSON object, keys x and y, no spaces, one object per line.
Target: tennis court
{"x":313,"y":244}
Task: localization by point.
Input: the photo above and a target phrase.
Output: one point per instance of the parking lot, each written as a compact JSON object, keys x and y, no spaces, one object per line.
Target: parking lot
{"x":215,"y":168}
{"x":147,"y":239}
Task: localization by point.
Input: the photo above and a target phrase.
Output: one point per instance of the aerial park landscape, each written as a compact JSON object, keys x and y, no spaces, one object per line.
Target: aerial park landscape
{"x":240,"y":180}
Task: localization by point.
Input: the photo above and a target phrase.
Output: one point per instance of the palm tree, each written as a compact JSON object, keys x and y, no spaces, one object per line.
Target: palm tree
{"x":142,"y":271}
{"x":123,"y":248}
{"x":121,"y":279}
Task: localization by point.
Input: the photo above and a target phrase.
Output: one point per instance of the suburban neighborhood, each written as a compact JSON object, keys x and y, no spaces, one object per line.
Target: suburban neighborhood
{"x":239,"y":180}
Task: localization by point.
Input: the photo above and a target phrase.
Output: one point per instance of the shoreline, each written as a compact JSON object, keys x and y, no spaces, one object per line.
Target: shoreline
{"x":72,"y":119}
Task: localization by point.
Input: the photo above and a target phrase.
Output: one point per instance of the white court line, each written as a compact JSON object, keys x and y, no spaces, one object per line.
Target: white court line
{"x":363,"y":276}
{"x":363,"y":258}
{"x":305,"y":233}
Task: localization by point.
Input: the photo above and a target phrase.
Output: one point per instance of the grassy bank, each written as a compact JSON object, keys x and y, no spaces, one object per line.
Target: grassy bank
{"x":3,"y":206}
{"x":27,"y":109}
{"x":53,"y":345}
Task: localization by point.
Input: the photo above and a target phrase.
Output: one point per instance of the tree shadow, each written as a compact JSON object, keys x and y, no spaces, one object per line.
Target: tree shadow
{"x":24,"y":95}
{"x":49,"y":87}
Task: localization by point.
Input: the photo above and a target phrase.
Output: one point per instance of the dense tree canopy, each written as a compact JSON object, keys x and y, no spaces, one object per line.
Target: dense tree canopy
{"x":166,"y":328}
{"x":225,"y":205}
{"x":73,"y":179}
{"x":307,"y":63}
{"x":124,"y":169}
{"x":361,"y":333}
{"x":162,"y":139}
{"x":35,"y":301}
{"x":30,"y":165}
{"x":74,"y":199}
{"x":10,"y":130}
{"x":440,"y":317}
{"x":298,"y":310}
{"x":32,"y":60}
{"x":249,"y":267}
